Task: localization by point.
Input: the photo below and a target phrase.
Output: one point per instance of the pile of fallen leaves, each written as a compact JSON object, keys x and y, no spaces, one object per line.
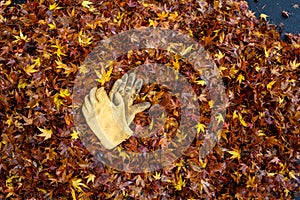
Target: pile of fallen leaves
{"x":43,"y":44}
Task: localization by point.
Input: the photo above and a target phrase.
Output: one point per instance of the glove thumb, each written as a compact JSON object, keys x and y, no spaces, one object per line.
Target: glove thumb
{"x":101,"y":96}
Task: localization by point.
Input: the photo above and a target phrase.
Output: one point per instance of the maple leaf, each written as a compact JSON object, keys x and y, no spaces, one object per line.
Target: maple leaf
{"x":235,"y":154}
{"x":250,"y":182}
{"x":86,"y":4}
{"x":105,"y":76}
{"x":220,"y":55}
{"x":52,"y":26}
{"x":59,"y":49}
{"x":157,"y":176}
{"x":173,"y":16}
{"x":77,"y":184}
{"x":162,"y":16}
{"x":67,"y":70}
{"x":54,"y":6}
{"x":263,"y":16}
{"x":75,"y":135}
{"x":21,"y":37}
{"x":240,"y":78}
{"x":200,"y":82}
{"x":294,"y":65}
{"x":90,"y":178}
{"x":84,"y":40}
{"x":47,"y":133}
{"x":179,"y":185}
{"x":64,"y":93}
{"x":200,"y":127}
{"x":152,"y":23}
{"x":29,"y":69}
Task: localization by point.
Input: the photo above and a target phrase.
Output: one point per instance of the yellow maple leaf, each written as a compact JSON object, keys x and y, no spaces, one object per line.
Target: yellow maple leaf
{"x":250,"y":182}
{"x":240,"y":78}
{"x":179,"y":185}
{"x":162,"y":16}
{"x":220,"y":55}
{"x":84,"y":40}
{"x":86,"y":4}
{"x":236,"y":153}
{"x":52,"y":26}
{"x":157,"y":176}
{"x":54,"y":6}
{"x":202,"y":163}
{"x":64,"y":93}
{"x":173,"y":16}
{"x":200,"y":127}
{"x":21,"y":37}
{"x":75,"y":135}
{"x":67,"y":70}
{"x":59,"y":49}
{"x":263,"y":16}
{"x":29,"y":69}
{"x":77,"y":184}
{"x":47,"y":133}
{"x":90,"y":178}
{"x":152,"y":23}
{"x":105,"y":76}
{"x":200,"y":82}
{"x":294,"y":65}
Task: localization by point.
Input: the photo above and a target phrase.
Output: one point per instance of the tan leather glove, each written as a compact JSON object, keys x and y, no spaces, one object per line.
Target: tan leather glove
{"x":109,"y":117}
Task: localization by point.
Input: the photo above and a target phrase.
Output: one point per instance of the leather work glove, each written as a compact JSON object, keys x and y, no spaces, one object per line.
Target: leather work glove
{"x":109,"y":117}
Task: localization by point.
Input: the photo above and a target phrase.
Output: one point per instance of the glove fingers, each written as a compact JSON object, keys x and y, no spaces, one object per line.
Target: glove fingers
{"x":129,"y":84}
{"x":115,"y":89}
{"x":121,"y":89}
{"x":135,"y":91}
{"x":139,"y":107}
{"x":118,"y":100}
{"x":138,"y":85}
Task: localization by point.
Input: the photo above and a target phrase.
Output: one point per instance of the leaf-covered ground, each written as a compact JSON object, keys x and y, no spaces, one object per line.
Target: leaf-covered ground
{"x":43,"y":44}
